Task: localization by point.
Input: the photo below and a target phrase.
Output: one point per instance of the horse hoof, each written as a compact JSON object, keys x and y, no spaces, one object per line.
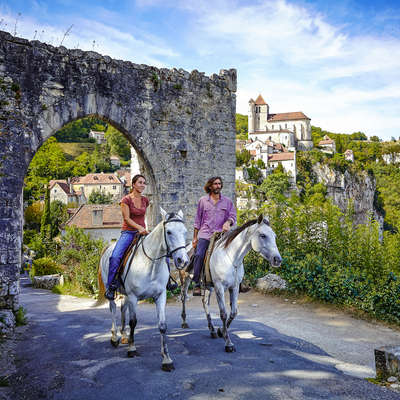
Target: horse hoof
{"x":115,"y":343}
{"x":185,"y":325}
{"x":168,"y":367}
{"x":230,"y":349}
{"x":132,"y":353}
{"x":124,"y":340}
{"x":213,"y":334}
{"x":220,"y":332}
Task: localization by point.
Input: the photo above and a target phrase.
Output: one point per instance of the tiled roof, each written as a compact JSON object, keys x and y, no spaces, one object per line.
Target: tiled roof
{"x":253,"y":152}
{"x":112,"y":216}
{"x":286,"y":116}
{"x":326,"y":140}
{"x":271,"y":131}
{"x":96,"y":179}
{"x":125,"y":176}
{"x":260,"y":101}
{"x":114,"y":158}
{"x":63,"y":185}
{"x":281,"y":157}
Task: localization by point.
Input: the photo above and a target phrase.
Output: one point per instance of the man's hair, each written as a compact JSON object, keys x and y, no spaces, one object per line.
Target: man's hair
{"x":207,"y":186}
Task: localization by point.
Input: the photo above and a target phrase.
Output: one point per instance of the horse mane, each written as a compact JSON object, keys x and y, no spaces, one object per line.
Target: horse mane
{"x":229,"y":236}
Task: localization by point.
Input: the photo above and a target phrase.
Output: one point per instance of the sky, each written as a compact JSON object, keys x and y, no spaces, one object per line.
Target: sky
{"x":338,"y":62}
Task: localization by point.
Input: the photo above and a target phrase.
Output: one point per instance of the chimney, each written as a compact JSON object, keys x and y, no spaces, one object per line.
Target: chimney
{"x":69,"y":185}
{"x":97,"y":217}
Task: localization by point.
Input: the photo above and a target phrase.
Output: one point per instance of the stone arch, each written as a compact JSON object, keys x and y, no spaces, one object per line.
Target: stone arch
{"x":182,"y":124}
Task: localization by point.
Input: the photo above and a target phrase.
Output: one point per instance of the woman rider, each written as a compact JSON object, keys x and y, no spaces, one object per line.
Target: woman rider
{"x":133,"y":207}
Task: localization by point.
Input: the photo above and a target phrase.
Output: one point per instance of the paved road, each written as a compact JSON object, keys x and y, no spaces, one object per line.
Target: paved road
{"x":284,"y":351}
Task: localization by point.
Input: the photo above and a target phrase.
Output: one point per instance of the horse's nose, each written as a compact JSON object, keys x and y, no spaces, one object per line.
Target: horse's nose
{"x":277,"y":260}
{"x":179,"y":260}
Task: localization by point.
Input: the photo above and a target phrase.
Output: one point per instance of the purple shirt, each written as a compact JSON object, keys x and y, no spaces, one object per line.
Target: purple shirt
{"x":210,"y":217}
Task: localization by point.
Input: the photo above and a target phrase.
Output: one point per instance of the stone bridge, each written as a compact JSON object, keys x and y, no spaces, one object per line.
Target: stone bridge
{"x":181,"y":124}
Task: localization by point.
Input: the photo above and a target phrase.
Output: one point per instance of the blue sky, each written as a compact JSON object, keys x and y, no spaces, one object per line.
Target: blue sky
{"x":338,"y":62}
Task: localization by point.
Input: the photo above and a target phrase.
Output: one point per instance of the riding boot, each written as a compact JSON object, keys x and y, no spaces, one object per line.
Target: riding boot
{"x":110,"y":292}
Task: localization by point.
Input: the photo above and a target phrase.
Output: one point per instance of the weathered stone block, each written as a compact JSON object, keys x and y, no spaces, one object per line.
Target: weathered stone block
{"x":7,"y":322}
{"x":387,"y":361}
{"x":48,"y":281}
{"x":271,"y":282}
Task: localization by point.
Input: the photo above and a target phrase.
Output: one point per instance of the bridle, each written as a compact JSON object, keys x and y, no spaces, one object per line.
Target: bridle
{"x":169,"y":252}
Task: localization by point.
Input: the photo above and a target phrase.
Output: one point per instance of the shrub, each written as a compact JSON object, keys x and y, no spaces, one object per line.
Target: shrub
{"x":45,"y":266}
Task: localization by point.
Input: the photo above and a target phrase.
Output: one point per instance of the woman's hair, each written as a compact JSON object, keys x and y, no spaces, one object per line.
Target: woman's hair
{"x":207,"y":186}
{"x":136,"y":177}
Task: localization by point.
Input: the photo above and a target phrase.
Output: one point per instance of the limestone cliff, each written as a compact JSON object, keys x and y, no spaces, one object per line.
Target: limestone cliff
{"x":342,"y":187}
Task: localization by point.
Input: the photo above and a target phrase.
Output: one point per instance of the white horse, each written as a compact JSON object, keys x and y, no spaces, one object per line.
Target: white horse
{"x":145,"y":276}
{"x":226,"y":268}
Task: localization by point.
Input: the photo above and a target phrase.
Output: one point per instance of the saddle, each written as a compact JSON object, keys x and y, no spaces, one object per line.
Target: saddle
{"x":206,"y":274}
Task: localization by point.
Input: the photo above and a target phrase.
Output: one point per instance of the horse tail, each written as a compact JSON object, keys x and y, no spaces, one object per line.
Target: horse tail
{"x":102,"y":290}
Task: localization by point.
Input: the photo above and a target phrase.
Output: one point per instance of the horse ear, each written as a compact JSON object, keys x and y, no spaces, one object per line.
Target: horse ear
{"x":260,"y":219}
{"x":180,"y":214}
{"x":266,"y":220}
{"x":163,"y":213}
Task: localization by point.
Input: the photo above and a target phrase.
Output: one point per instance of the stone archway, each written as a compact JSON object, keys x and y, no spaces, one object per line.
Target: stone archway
{"x":182,"y":125}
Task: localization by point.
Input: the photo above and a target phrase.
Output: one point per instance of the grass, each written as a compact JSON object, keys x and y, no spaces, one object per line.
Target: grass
{"x":71,"y":289}
{"x":73,"y":150}
{"x":20,"y":316}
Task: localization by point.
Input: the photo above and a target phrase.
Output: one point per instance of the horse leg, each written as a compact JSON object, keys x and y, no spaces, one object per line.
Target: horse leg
{"x":184,"y":295}
{"x":124,"y":315}
{"x":132,"y":303}
{"x":167,"y":363}
{"x":206,"y":306}
{"x":219,"y":291}
{"x":233,"y":293}
{"x":114,"y":336}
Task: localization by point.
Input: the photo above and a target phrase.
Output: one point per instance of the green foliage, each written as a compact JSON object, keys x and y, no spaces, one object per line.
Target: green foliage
{"x":98,"y":197}
{"x":45,"y":266}
{"x":242,"y":157}
{"x":80,"y":255}
{"x":58,"y":215}
{"x":241,"y":126}
{"x":275,"y":186}
{"x":118,"y":143}
{"x":255,"y":175}
{"x":20,"y":316}
{"x":78,"y":131}
{"x":33,"y":216}
{"x":45,"y":224}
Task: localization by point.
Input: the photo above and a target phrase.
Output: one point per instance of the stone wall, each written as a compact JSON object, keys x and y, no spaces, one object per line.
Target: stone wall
{"x":181,"y":124}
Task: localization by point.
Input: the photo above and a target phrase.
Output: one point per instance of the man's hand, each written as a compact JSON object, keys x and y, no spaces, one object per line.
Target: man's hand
{"x":194,"y":242}
{"x":226,"y":226}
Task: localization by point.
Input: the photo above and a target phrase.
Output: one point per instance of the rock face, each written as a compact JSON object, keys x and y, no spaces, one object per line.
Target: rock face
{"x":7,"y":322}
{"x":181,"y":124}
{"x":271,"y":282}
{"x":48,"y":281}
{"x":344,"y":187}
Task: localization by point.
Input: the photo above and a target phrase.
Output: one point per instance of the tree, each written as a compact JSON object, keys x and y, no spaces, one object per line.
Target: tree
{"x":45,"y":226}
{"x":33,"y":216}
{"x":374,"y":139}
{"x":83,"y":164}
{"x":242,"y":157}
{"x":58,"y":215}
{"x":98,"y":197}
{"x":358,"y":136}
{"x":118,"y":143}
{"x":275,"y":186}
{"x":241,"y":126}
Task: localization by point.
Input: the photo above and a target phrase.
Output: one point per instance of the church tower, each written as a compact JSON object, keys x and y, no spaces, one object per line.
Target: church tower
{"x":261,"y":111}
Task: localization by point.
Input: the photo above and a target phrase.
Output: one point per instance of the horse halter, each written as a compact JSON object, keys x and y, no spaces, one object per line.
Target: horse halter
{"x":169,"y":253}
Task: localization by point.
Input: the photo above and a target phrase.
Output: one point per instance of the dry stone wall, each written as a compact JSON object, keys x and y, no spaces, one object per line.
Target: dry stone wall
{"x":181,"y":124}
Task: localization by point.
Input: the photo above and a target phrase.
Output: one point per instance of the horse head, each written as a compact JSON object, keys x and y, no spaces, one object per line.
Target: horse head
{"x":175,"y":237}
{"x":263,"y":241}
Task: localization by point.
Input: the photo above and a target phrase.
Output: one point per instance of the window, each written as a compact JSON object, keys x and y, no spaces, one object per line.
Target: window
{"x":272,"y":127}
{"x":114,"y":187}
{"x":285,"y":126}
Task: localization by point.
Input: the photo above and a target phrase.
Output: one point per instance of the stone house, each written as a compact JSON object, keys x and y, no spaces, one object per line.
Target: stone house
{"x":288,"y":162}
{"x":115,"y":161}
{"x":101,"y":221}
{"x":106,"y":183}
{"x":349,"y":155}
{"x":327,"y":145}
{"x":98,"y":136}
{"x":292,"y":129}
{"x":391,"y":158}
{"x":62,"y":190}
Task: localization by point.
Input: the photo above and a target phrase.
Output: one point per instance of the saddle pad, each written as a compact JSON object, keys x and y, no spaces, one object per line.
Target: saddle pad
{"x":127,"y":254}
{"x":207,"y":275}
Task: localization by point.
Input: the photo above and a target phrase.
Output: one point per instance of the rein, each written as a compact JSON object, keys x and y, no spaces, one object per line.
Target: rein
{"x":169,"y":252}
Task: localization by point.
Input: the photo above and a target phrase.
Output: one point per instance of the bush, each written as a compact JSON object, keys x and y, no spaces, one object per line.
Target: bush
{"x":45,"y":266}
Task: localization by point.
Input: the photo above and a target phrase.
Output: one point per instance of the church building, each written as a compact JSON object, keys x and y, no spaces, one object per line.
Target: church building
{"x":292,"y":129}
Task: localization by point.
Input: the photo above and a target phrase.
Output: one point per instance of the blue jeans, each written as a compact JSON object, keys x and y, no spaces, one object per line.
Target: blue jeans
{"x":199,"y":255}
{"x":121,"y":246}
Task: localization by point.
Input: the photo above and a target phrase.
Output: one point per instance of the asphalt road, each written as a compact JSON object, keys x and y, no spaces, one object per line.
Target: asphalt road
{"x":284,"y":351}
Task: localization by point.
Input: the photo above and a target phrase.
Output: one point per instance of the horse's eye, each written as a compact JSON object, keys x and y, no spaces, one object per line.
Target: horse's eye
{"x":262,"y":236}
{"x":168,"y":232}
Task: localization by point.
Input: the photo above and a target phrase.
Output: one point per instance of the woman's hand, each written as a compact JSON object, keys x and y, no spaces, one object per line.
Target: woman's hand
{"x":142,"y":231}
